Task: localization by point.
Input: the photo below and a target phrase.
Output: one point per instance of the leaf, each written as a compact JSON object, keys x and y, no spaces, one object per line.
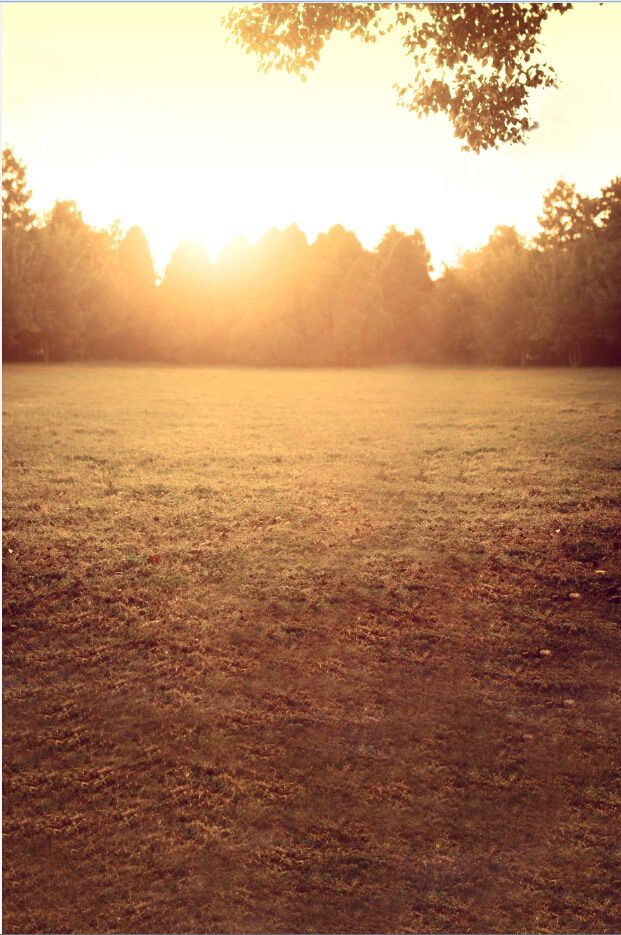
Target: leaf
{"x":303,"y":78}
{"x":153,"y":559}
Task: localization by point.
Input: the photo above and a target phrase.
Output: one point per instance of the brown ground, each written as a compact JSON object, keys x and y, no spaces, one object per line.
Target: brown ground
{"x":297,"y":651}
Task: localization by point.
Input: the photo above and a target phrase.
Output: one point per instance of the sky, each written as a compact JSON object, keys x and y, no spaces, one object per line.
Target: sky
{"x":141,"y":112}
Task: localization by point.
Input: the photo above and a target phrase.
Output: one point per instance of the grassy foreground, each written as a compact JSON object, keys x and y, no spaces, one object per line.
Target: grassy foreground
{"x":311,"y":651}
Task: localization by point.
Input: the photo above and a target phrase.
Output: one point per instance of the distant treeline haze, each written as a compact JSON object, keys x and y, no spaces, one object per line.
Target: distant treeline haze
{"x":71,"y":292}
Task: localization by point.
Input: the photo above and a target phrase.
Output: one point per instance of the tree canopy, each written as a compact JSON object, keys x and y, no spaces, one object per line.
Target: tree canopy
{"x":485,"y":54}
{"x":15,"y":196}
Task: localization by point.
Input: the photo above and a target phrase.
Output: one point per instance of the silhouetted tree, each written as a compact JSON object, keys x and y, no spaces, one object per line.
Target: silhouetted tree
{"x":504,"y":327}
{"x":329,"y":260}
{"x":482,"y":311}
{"x":389,"y":240}
{"x":233,"y":274}
{"x":406,"y":284}
{"x":454,"y":303}
{"x":578,"y":288}
{"x":608,"y":212}
{"x":18,"y":249}
{"x":362,"y":331}
{"x":70,"y":275}
{"x":566,"y":217}
{"x":267,"y":331}
{"x":185,"y":327}
{"x":132,"y":319}
{"x":15,"y":196}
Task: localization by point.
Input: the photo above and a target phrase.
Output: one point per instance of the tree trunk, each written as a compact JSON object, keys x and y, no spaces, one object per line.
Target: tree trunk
{"x":574,"y":353}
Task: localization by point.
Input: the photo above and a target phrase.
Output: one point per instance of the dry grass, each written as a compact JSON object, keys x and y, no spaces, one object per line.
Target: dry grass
{"x":294,"y":651}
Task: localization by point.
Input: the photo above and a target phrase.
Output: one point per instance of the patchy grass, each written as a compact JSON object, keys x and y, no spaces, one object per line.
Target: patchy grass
{"x":311,"y":651}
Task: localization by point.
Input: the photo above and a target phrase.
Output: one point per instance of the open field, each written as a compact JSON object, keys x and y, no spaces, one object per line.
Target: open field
{"x":311,"y":651}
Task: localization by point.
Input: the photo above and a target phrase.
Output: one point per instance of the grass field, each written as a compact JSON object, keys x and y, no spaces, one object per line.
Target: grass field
{"x":311,"y":651}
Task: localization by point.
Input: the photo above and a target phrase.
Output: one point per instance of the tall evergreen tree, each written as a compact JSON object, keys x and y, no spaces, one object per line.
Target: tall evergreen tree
{"x":18,"y":251}
{"x":15,"y":195}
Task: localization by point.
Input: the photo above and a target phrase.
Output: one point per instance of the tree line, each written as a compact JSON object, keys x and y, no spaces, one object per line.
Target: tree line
{"x":73,"y":292}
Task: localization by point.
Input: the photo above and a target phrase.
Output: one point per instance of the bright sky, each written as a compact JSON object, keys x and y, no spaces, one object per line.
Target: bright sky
{"x":139,"y":111}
